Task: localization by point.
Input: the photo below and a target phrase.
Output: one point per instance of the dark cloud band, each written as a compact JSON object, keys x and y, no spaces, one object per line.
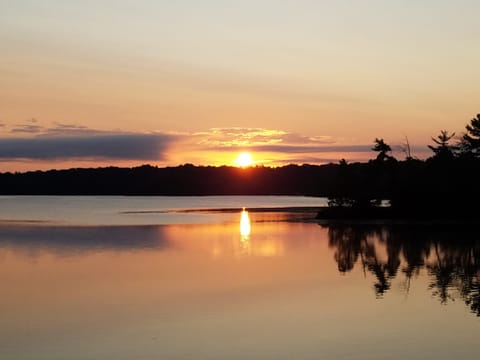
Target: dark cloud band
{"x":112,"y":146}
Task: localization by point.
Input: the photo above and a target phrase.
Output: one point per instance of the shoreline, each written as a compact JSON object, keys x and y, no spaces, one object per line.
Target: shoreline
{"x":270,"y":209}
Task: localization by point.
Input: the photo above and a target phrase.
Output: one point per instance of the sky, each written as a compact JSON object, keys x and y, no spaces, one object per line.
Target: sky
{"x":125,"y":83}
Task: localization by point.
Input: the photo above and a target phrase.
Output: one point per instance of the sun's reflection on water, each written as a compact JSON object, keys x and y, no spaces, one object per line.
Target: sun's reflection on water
{"x":258,"y":245}
{"x":245,"y":230}
{"x":245,"y":227}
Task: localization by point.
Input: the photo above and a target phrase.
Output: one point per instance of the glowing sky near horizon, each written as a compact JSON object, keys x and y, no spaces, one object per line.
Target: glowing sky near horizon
{"x":290,"y":81}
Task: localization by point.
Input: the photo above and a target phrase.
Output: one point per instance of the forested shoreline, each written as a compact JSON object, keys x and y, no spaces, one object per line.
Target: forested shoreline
{"x":444,"y":185}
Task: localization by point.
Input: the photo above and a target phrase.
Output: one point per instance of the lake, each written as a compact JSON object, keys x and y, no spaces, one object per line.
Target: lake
{"x":220,"y":278}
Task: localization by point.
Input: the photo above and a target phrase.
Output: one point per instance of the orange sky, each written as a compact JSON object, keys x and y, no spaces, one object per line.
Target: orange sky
{"x":293,"y":81}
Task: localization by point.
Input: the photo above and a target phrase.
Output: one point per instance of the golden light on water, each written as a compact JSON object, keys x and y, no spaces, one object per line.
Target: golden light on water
{"x":245,"y":227}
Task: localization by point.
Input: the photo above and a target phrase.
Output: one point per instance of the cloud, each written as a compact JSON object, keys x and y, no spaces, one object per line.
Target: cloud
{"x":64,"y":141}
{"x":268,"y":140}
{"x":125,"y":146}
{"x":62,"y":129}
{"x":237,"y":136}
{"x":32,"y":127}
{"x":311,"y":148}
{"x":312,"y":160}
{"x":27,"y":129}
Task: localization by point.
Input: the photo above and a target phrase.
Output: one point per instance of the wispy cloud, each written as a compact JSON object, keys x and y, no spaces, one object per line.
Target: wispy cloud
{"x":250,"y":137}
{"x":63,"y":129}
{"x":58,"y":129}
{"x":298,"y":148}
{"x":27,"y":129}
{"x":269,"y":140}
{"x":236,"y":136}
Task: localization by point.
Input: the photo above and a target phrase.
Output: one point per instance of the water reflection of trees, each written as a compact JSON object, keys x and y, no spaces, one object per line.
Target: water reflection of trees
{"x":450,"y":257}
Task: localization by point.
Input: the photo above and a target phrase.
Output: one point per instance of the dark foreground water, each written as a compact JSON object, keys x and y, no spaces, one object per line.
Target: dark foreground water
{"x":242,"y":286}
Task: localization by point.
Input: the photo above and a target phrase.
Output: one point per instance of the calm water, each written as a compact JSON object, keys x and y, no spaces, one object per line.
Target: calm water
{"x":136,"y":210}
{"x":251,"y":285}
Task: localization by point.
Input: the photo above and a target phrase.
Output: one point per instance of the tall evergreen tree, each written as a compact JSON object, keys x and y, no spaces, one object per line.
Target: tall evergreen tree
{"x":443,"y":150}
{"x":470,"y":142}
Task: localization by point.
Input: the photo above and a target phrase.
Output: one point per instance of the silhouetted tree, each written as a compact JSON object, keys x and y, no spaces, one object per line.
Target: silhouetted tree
{"x":382,"y":148}
{"x":344,"y":188}
{"x":470,"y":142}
{"x":443,"y":150}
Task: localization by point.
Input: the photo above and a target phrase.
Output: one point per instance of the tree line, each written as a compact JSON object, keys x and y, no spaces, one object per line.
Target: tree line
{"x":180,"y":180}
{"x":444,"y":184}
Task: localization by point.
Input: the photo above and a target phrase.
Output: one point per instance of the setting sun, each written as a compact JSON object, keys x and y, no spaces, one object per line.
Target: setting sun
{"x":244,"y":159}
